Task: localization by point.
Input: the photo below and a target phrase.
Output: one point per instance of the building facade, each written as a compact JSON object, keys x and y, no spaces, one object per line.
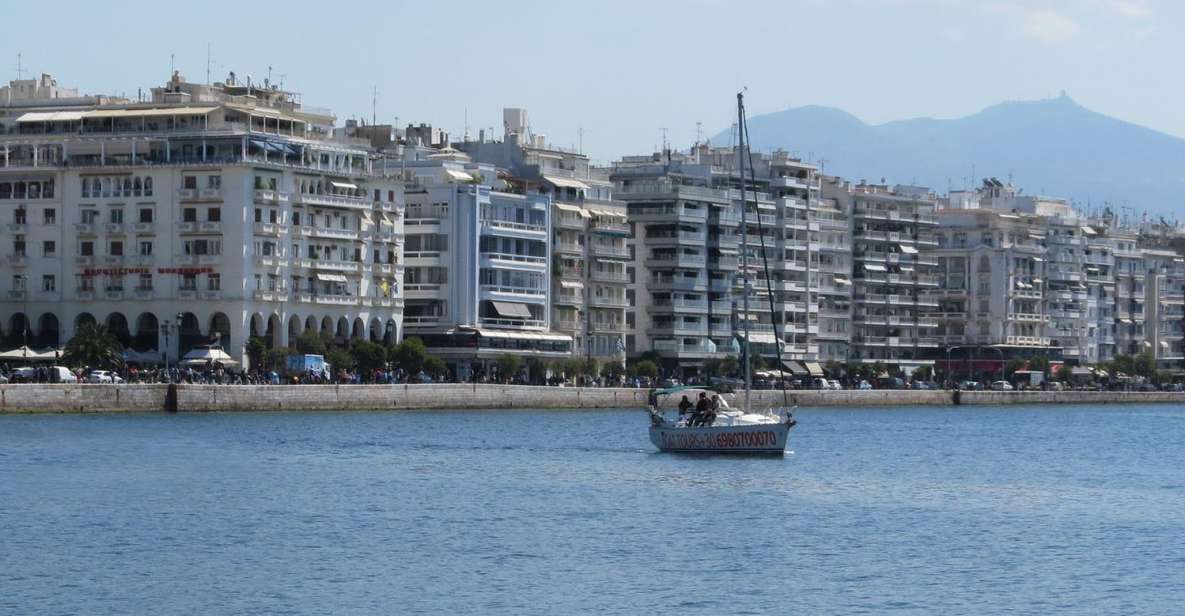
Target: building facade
{"x":210,"y":213}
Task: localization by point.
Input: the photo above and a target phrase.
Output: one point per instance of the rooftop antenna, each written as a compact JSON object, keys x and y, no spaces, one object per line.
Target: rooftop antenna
{"x":466,"y":136}
{"x":20,"y":69}
{"x":282,"y":77}
{"x":699,"y":129}
{"x":580,"y":136}
{"x":664,"y":139}
{"x":269,"y":75}
{"x":172,"y":65}
{"x":374,"y":101}
{"x":207,"y":62}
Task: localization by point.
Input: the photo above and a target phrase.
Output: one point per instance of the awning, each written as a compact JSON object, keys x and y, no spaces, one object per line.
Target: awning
{"x":813,"y":368}
{"x":760,"y":337}
{"x":516,"y":335}
{"x":512,"y":310}
{"x":459,"y":176}
{"x":1080,"y":371}
{"x":1038,"y":259}
{"x":571,"y":284}
{"x":1088,"y":231}
{"x":331,"y":277}
{"x":564,"y":182}
{"x":1125,"y":321}
{"x":839,"y":280}
{"x":607,"y":213}
{"x":794,"y":367}
{"x":144,"y":113}
{"x":1037,"y":281}
{"x":50,"y":116}
{"x":1036,"y":236}
{"x":575,"y":209}
{"x":909,"y":250}
{"x":874,"y":267}
{"x":343,"y":186}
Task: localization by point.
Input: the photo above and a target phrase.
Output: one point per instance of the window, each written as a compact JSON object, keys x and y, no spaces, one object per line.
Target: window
{"x":258,"y":215}
{"x":296,"y":218}
{"x":189,"y":282}
{"x":189,"y":182}
{"x":18,"y":282}
{"x":116,"y":216}
{"x":86,"y":249}
{"x":48,"y":283}
{"x":214,"y":181}
{"x":271,"y":216}
{"x":189,"y":214}
{"x":49,"y":248}
{"x":146,"y":215}
{"x":50,"y":216}
{"x":390,"y":196}
{"x":18,"y":246}
{"x":214,"y":282}
{"x":377,"y":195}
{"x":86,"y":188}
{"x":147,"y":187}
{"x":89,"y":216}
{"x":145,"y":283}
{"x":116,"y":249}
{"x":86,"y":284}
{"x":214,"y":214}
{"x":18,"y":216}
{"x":145,"y":248}
{"x":115,"y":283}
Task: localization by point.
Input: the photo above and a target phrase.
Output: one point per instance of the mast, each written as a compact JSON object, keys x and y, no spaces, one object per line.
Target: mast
{"x":744,"y":249}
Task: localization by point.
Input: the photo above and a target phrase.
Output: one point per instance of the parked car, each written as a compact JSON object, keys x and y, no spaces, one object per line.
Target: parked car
{"x":103,"y":376}
{"x":1002,"y":386}
{"x":822,"y":383}
{"x":24,"y":374}
{"x":865,"y":385}
{"x":970,"y":386}
{"x":61,"y":374}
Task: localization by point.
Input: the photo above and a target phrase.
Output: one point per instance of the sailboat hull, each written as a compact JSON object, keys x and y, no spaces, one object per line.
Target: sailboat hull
{"x":765,"y":439}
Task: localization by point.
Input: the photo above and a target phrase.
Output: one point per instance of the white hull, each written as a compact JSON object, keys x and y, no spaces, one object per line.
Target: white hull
{"x":769,"y":438}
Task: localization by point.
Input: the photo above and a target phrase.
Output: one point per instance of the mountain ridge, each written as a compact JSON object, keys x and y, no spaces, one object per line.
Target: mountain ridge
{"x":1052,"y":146}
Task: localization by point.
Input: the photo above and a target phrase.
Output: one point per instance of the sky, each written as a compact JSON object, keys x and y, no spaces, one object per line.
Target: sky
{"x":609,"y":76}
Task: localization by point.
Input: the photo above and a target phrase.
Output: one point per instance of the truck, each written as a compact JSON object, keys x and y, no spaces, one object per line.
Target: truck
{"x":308,"y":364}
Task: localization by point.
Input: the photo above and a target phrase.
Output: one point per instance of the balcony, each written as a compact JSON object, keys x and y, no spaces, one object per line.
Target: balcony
{"x":699,"y":347}
{"x":571,"y":325}
{"x":268,"y":195}
{"x":18,"y":294}
{"x":18,"y":260}
{"x":607,"y":250}
{"x":608,"y":327}
{"x":114,"y":228}
{"x":676,"y":260}
{"x":142,"y":293}
{"x":609,"y":276}
{"x":360,"y":203}
{"x":85,"y":295}
{"x":84,"y":260}
{"x":270,"y":229}
{"x":336,"y":266}
{"x":335,"y":300}
{"x":113,"y":294}
{"x":489,"y":225}
{"x":569,"y":248}
{"x":680,"y":305}
{"x":84,"y":228}
{"x":113,"y":260}
{"x":144,"y":227}
{"x":18,"y":227}
{"x":531,"y":292}
{"x":608,"y":302}
{"x":607,"y":227}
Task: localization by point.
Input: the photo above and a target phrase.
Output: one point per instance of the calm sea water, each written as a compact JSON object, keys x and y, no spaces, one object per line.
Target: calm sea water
{"x":912,"y":510}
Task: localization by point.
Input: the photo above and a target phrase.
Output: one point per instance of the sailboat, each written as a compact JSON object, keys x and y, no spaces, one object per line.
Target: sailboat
{"x":735,"y":431}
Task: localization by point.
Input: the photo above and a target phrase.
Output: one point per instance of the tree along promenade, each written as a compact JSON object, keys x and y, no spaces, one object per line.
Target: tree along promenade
{"x":206,"y":398}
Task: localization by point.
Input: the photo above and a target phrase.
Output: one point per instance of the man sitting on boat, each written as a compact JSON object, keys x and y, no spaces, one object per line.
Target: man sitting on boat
{"x":684,"y":407}
{"x":704,"y":414}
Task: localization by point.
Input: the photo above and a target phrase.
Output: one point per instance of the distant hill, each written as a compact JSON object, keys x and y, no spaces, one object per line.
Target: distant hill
{"x":1052,"y":147}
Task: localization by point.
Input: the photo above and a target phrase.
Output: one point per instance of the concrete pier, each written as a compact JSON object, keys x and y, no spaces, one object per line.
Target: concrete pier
{"x":207,"y":398}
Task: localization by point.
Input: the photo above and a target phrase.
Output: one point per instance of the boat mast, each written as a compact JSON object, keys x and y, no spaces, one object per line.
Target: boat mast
{"x":744,"y":249}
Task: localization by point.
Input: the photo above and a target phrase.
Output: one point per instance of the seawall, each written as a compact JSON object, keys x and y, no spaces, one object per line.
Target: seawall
{"x":199,"y":398}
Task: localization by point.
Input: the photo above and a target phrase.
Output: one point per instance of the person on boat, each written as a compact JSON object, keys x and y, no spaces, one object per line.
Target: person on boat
{"x":719,"y":404}
{"x":684,"y":407}
{"x":703,"y":408}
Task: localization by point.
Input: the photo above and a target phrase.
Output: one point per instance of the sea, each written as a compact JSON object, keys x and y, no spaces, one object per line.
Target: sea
{"x":909,"y":510}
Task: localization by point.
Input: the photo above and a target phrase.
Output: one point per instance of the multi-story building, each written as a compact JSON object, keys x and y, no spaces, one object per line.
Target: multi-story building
{"x":892,"y":232}
{"x":686,"y":209}
{"x":590,"y":249}
{"x":477,"y":279}
{"x":210,"y":212}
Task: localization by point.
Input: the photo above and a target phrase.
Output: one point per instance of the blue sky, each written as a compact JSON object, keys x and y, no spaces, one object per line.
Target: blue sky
{"x":623,"y":70}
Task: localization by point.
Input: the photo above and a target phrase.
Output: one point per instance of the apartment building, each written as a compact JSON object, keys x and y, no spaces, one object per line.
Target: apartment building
{"x":477,"y":277}
{"x":893,"y":274}
{"x":207,"y":213}
{"x":590,"y":250}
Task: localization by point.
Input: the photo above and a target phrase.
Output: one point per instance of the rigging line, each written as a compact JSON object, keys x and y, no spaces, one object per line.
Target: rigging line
{"x":764,"y":256}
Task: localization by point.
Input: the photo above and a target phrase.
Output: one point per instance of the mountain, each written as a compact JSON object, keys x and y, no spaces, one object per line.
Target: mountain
{"x":1051,"y":147}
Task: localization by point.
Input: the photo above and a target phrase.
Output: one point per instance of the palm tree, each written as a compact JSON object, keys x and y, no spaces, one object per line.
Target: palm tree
{"x":94,"y":346}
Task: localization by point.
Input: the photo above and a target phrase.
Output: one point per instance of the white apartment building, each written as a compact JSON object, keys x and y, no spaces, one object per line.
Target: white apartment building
{"x":686,"y":209}
{"x":478,"y":276}
{"x":210,"y":212}
{"x":590,"y":249}
{"x":893,"y":274}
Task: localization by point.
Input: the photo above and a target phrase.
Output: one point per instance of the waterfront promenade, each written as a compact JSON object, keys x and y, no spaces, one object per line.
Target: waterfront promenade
{"x":207,"y":398}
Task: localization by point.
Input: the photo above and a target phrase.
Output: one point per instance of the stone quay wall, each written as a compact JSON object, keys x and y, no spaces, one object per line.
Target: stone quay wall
{"x":209,"y":398}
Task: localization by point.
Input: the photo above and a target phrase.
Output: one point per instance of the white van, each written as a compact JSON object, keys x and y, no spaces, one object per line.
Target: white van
{"x":61,"y":374}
